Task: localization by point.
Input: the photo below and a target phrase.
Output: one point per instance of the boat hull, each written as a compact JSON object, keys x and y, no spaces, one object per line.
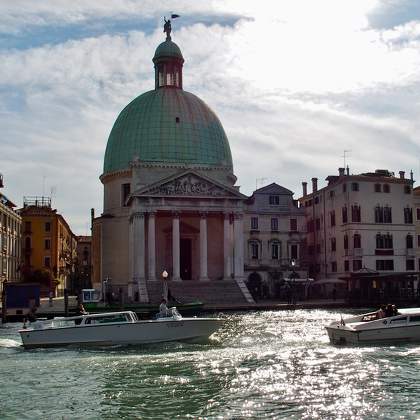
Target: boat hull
{"x":141,"y":332}
{"x":403,"y":334}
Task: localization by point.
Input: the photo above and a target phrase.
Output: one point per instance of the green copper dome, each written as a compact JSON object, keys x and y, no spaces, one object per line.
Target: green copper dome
{"x":168,"y":49}
{"x":167,"y":125}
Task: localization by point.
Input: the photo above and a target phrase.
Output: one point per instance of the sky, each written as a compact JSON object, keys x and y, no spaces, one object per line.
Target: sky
{"x":295,"y":83}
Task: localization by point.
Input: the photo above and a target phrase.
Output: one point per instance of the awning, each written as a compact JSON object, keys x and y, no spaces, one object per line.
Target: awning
{"x":330,"y":281}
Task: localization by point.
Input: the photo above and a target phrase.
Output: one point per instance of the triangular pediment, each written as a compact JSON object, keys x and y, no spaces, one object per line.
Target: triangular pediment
{"x":189,"y":184}
{"x":273,"y":189}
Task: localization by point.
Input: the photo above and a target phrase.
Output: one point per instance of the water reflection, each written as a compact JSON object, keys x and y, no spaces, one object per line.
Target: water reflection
{"x":261,"y":365}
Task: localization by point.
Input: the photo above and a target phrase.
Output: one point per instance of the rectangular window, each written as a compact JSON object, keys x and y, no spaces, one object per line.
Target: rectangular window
{"x":408,"y":215}
{"x":293,"y":225}
{"x":47,"y":262}
{"x":332,"y":193}
{"x":274,"y":200}
{"x":334,"y":266}
{"x":409,"y":265}
{"x":355,"y":214}
{"x":318,"y":224}
{"x":254,"y":223}
{"x":418,"y":213}
{"x":254,"y":251}
{"x":333,"y":245}
{"x":346,"y":265}
{"x":357,"y":241}
{"x":385,"y":265}
{"x":47,"y":226}
{"x":125,"y":192}
{"x":332,"y":218}
{"x":354,"y":186}
{"x":377,"y":187}
{"x":344,"y":214}
{"x":346,"y":242}
{"x":294,"y":252}
{"x":275,"y":251}
{"x":418,"y":241}
{"x":274,"y":224}
{"x":407,"y":189}
{"x":47,"y":244}
{"x":357,"y":265}
{"x":344,"y":188}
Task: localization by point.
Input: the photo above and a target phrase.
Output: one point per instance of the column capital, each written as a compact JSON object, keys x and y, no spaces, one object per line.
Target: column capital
{"x":238,"y":216}
{"x":137,"y":215}
{"x":175,"y":214}
{"x":203,"y":214}
{"x":227,"y":214}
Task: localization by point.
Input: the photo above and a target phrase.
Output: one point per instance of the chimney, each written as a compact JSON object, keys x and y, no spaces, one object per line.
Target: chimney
{"x":348,"y":170}
{"x":314,"y":185}
{"x":402,"y":174}
{"x":341,"y":171}
{"x":305,"y":188}
{"x":411,"y":176}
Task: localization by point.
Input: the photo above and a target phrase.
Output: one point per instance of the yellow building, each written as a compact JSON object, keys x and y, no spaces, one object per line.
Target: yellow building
{"x":48,"y":246}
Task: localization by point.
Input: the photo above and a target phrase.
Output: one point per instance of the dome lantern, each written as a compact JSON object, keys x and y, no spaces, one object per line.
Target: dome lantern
{"x":168,"y":62}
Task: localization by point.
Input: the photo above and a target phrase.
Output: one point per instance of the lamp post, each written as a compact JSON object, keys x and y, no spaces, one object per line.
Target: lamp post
{"x":165,"y":285}
{"x":293,"y":276}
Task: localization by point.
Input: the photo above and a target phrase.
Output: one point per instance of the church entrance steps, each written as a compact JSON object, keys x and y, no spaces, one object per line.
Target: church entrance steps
{"x":211,"y":292}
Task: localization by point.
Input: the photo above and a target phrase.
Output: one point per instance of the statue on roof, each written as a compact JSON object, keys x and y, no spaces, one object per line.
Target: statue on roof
{"x":167,"y":28}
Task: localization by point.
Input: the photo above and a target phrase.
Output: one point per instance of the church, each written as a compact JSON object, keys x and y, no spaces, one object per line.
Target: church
{"x":170,"y":199}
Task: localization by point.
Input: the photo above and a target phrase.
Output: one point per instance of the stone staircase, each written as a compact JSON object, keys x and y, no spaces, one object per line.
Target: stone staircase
{"x":211,"y":292}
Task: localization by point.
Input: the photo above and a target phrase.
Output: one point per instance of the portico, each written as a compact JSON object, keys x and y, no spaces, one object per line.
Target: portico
{"x":175,"y":225}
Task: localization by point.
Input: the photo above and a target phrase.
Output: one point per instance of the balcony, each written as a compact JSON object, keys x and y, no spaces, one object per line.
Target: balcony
{"x":410,"y":252}
{"x":384,"y":251}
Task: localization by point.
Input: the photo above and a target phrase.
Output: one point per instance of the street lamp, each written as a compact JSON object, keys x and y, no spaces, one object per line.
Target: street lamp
{"x":293,"y":276}
{"x":165,"y":284}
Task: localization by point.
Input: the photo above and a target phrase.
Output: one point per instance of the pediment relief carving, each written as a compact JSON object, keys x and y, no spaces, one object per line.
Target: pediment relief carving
{"x":188,"y":185}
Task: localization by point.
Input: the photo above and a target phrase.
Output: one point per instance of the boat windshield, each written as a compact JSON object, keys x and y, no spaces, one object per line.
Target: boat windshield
{"x":106,"y":319}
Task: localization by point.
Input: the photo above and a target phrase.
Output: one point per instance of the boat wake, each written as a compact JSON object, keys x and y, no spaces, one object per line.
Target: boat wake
{"x":8,"y":343}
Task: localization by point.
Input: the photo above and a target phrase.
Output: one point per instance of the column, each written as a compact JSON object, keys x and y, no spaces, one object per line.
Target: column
{"x":239,"y":246}
{"x":203,"y":248}
{"x":139,"y":254}
{"x":226,"y":247}
{"x":175,"y":248}
{"x":151,"y":237}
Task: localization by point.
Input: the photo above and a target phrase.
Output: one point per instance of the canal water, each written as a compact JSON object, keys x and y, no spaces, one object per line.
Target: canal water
{"x":262,"y":365}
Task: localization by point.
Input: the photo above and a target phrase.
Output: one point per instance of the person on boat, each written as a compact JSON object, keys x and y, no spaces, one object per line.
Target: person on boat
{"x":381,"y":313}
{"x":389,"y":311}
{"x":163,"y":309}
{"x":395,"y":311}
{"x":31,"y":318}
{"x":79,"y":312}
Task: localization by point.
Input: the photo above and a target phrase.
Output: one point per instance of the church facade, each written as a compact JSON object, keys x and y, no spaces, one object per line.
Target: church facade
{"x":170,"y":199}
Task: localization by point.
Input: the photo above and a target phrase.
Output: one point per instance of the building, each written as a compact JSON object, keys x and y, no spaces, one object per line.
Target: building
{"x":170,"y":196}
{"x":416,"y":210}
{"x":274,"y":233}
{"x":10,"y":239}
{"x":83,"y":266}
{"x":49,"y":247}
{"x":361,"y":228}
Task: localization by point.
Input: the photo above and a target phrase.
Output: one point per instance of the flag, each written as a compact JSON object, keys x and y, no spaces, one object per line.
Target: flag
{"x":174,"y":16}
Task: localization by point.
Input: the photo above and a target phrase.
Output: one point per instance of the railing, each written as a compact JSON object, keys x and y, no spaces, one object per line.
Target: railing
{"x":37,"y":201}
{"x":410,"y":252}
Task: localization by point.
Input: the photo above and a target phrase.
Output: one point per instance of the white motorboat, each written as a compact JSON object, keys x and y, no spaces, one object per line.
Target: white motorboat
{"x":370,"y":328}
{"x":116,"y":328}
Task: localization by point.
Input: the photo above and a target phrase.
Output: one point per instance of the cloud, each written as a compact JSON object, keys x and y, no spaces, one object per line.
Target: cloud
{"x":290,"y":95}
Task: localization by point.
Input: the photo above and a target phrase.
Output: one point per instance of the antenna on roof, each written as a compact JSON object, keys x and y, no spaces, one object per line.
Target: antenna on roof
{"x":344,"y":156}
{"x":259,"y":180}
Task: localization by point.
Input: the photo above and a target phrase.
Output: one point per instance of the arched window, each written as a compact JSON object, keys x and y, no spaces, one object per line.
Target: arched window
{"x":28,"y":242}
{"x":409,"y":241}
{"x":357,"y":241}
{"x":254,"y":250}
{"x":346,"y":242}
{"x":275,"y":250}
